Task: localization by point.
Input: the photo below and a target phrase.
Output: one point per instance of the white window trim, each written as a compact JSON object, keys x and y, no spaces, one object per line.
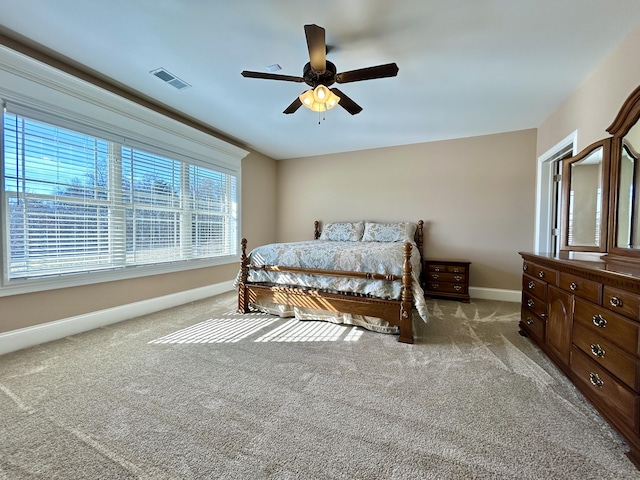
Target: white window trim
{"x":38,"y":86}
{"x":544,"y":190}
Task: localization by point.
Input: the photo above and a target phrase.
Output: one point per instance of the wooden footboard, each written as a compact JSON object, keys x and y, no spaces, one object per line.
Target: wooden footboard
{"x":396,"y":312}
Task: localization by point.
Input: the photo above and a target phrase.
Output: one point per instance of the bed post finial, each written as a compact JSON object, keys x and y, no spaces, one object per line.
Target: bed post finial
{"x":316,"y":233}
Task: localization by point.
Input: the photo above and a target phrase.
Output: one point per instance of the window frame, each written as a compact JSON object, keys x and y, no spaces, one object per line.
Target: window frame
{"x":50,"y":95}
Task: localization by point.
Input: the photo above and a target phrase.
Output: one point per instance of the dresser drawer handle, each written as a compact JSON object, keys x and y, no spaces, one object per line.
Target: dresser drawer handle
{"x":599,"y":321}
{"x":530,"y":303}
{"x":457,"y":278}
{"x":531,"y":285}
{"x":435,"y":286}
{"x":529,"y":321}
{"x":456,"y":270}
{"x":435,"y":276}
{"x":457,"y":288}
{"x":597,"y":350}
{"x":596,"y":381}
{"x":573,"y":286}
{"x":615,"y":302}
{"x":525,"y":267}
{"x":541,"y":274}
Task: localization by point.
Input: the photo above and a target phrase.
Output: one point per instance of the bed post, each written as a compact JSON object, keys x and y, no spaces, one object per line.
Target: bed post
{"x":243,"y":301}
{"x":420,"y":235}
{"x":406,"y":306}
{"x":316,"y":231}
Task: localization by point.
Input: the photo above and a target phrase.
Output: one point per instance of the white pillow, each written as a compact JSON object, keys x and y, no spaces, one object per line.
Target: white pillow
{"x":343,"y":232}
{"x":389,"y":232}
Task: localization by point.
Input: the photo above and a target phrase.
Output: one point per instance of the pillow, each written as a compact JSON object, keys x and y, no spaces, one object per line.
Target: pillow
{"x":389,"y":232}
{"x":343,"y":232}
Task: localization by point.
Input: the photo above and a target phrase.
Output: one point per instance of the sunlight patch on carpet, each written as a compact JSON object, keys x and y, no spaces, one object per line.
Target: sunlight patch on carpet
{"x":233,"y":327}
{"x":220,"y":330}
{"x":310,"y":331}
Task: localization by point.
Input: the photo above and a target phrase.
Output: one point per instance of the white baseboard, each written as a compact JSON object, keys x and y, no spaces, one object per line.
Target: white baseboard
{"x":496,"y":294}
{"x":46,"y":332}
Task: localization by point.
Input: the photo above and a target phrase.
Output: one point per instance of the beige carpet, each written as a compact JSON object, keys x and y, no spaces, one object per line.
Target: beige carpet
{"x":194,"y":393}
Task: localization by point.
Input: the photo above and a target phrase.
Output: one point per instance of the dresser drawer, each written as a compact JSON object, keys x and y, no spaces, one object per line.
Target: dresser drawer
{"x":609,"y":391}
{"x":606,"y":354}
{"x":605,"y":324}
{"x":446,"y":277}
{"x":622,"y":302}
{"x":543,"y":273}
{"x":581,"y":287}
{"x":532,"y":323}
{"x":534,"y":305}
{"x":534,"y":286}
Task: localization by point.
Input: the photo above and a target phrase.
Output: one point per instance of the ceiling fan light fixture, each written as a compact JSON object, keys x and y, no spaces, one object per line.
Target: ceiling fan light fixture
{"x":320,"y":99}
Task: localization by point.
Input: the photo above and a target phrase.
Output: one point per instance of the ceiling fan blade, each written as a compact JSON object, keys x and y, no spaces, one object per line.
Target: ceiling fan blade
{"x":295,"y":105}
{"x":317,"y":47}
{"x":345,"y":102}
{"x":369,"y":73}
{"x":271,"y":76}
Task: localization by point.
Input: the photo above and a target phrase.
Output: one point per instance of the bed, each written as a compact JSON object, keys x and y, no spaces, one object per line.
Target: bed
{"x":359,"y":273}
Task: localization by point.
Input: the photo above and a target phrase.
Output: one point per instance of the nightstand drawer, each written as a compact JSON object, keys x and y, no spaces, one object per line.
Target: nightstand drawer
{"x":445,"y":277}
{"x":445,"y":287}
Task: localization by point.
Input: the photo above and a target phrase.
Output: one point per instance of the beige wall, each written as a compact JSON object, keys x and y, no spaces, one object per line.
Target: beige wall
{"x":258,"y":222}
{"x":595,"y":103}
{"x":476,"y":196}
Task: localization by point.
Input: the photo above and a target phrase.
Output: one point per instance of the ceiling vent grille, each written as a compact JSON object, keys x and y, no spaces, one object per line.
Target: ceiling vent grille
{"x":170,"y":78}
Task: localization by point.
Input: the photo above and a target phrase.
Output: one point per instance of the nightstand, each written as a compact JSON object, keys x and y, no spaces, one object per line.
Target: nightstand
{"x":447,"y":278}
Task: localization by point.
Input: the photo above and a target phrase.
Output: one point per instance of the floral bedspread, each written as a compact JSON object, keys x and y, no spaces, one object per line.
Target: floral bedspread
{"x":373,"y":257}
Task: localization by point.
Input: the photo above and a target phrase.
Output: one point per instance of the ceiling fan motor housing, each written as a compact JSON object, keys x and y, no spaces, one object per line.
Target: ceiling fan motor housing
{"x":314,"y":78}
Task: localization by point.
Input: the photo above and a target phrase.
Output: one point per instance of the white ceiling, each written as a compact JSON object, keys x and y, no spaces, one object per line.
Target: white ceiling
{"x":467,"y":67}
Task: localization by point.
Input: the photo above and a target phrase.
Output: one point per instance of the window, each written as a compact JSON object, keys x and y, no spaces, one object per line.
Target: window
{"x":79,"y":203}
{"x":95,"y":187}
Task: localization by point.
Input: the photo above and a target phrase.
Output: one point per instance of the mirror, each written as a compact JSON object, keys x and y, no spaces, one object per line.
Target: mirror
{"x":585,"y":199}
{"x":585,"y":192}
{"x":628,"y":231}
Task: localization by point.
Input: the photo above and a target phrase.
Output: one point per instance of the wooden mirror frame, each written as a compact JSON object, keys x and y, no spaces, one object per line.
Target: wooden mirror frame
{"x":627,"y":117}
{"x":604,"y":200}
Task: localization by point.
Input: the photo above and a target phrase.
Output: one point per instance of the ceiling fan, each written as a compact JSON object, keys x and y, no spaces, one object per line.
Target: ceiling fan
{"x":320,"y":74}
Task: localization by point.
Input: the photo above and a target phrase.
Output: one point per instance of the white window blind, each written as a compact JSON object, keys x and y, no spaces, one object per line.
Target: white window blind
{"x":78,"y":203}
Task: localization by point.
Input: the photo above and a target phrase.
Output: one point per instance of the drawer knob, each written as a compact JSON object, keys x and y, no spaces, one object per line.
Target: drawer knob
{"x":541,"y":274}
{"x":456,"y":269}
{"x":597,"y":350}
{"x":573,"y":286}
{"x":599,"y":321}
{"x":435,"y":276}
{"x":596,"y":381}
{"x":615,"y":302}
{"x":529,"y":321}
{"x":457,"y":288}
{"x":531,"y":285}
{"x":457,"y":278}
{"x":435,"y":286}
{"x":530,"y":303}
{"x":436,"y":269}
{"x":525,"y":267}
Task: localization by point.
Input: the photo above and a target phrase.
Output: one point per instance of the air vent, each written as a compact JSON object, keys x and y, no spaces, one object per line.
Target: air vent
{"x":170,"y":78}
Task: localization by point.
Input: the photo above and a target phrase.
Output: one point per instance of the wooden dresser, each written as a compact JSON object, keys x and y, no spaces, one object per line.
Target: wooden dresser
{"x":586,"y":318}
{"x":447,"y":278}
